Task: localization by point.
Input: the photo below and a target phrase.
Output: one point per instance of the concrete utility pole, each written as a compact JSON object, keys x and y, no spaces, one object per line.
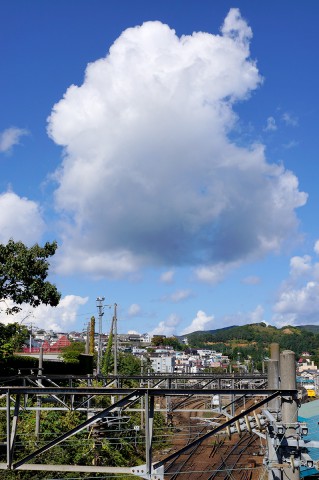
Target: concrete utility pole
{"x":273,"y":406}
{"x":100,"y":301}
{"x":38,"y":412}
{"x":115,"y":339}
{"x":275,"y":351}
{"x":273,"y":377}
{"x":289,"y":408}
{"x":284,"y":438}
{"x":30,"y":338}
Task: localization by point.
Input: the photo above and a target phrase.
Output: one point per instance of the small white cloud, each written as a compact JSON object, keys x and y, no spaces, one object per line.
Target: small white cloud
{"x":11,"y":137}
{"x":213,"y":274}
{"x":133,"y":332}
{"x":298,"y":298}
{"x":167,"y":327}
{"x":280,"y":320}
{"x":315,"y":271}
{"x":236,"y":28}
{"x":167,"y":277}
{"x":20,"y":219}
{"x":291,"y":144}
{"x":251,"y":280}
{"x":271,"y":125}
{"x":180,"y":295}
{"x":300,"y":266}
{"x":257,"y":315}
{"x":134,"y":310}
{"x":201,"y":322}
{"x":243,"y":318}
{"x":58,"y":318}
{"x":177,"y":296}
{"x":290,"y":119}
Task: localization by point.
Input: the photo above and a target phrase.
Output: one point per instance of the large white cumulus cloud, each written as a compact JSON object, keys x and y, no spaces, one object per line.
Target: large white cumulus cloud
{"x":60,"y":318}
{"x":149,"y":174}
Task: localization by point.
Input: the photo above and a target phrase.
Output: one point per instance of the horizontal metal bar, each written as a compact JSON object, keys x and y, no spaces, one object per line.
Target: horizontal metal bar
{"x":69,"y":468}
{"x":157,"y":392}
{"x":99,"y":409}
{"x":174,"y":376}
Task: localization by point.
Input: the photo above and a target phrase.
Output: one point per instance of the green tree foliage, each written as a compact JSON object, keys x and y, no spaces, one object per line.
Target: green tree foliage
{"x":157,"y":340}
{"x":12,"y":337}
{"x":71,"y":354}
{"x":77,"y":450}
{"x":128,"y":365}
{"x":23,"y":273}
{"x":162,"y":340}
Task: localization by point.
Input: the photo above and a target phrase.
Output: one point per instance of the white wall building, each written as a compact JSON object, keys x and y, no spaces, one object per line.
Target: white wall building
{"x":146,"y":338}
{"x":163,"y":364}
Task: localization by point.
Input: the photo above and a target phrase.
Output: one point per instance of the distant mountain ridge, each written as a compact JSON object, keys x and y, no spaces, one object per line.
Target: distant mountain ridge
{"x":308,"y":328}
{"x":257,"y":336}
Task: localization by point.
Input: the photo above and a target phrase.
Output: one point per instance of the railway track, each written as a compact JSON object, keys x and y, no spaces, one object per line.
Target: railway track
{"x":216,"y":458}
{"x":233,"y":464}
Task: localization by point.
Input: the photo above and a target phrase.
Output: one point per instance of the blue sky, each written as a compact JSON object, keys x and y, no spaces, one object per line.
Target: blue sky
{"x":170,"y":147}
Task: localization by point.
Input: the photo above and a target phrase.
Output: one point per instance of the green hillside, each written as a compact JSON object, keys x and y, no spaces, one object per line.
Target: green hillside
{"x":253,"y":340}
{"x":310,"y":328}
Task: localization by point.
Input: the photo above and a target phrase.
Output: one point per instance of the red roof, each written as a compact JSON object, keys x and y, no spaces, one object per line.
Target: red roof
{"x":62,"y":342}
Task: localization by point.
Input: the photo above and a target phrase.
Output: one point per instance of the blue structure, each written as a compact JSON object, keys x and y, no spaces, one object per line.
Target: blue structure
{"x":309,"y":413}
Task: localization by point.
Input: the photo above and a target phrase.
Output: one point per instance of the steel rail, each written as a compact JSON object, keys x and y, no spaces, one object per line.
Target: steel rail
{"x":217,"y":429}
{"x":231,"y":452}
{"x":181,"y":465}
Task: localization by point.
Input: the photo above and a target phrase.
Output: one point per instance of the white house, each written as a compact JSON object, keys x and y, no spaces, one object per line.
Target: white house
{"x":163,"y":364}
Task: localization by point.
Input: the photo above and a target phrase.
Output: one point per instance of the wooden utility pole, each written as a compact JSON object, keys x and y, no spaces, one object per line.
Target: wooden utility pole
{"x":92,"y":335}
